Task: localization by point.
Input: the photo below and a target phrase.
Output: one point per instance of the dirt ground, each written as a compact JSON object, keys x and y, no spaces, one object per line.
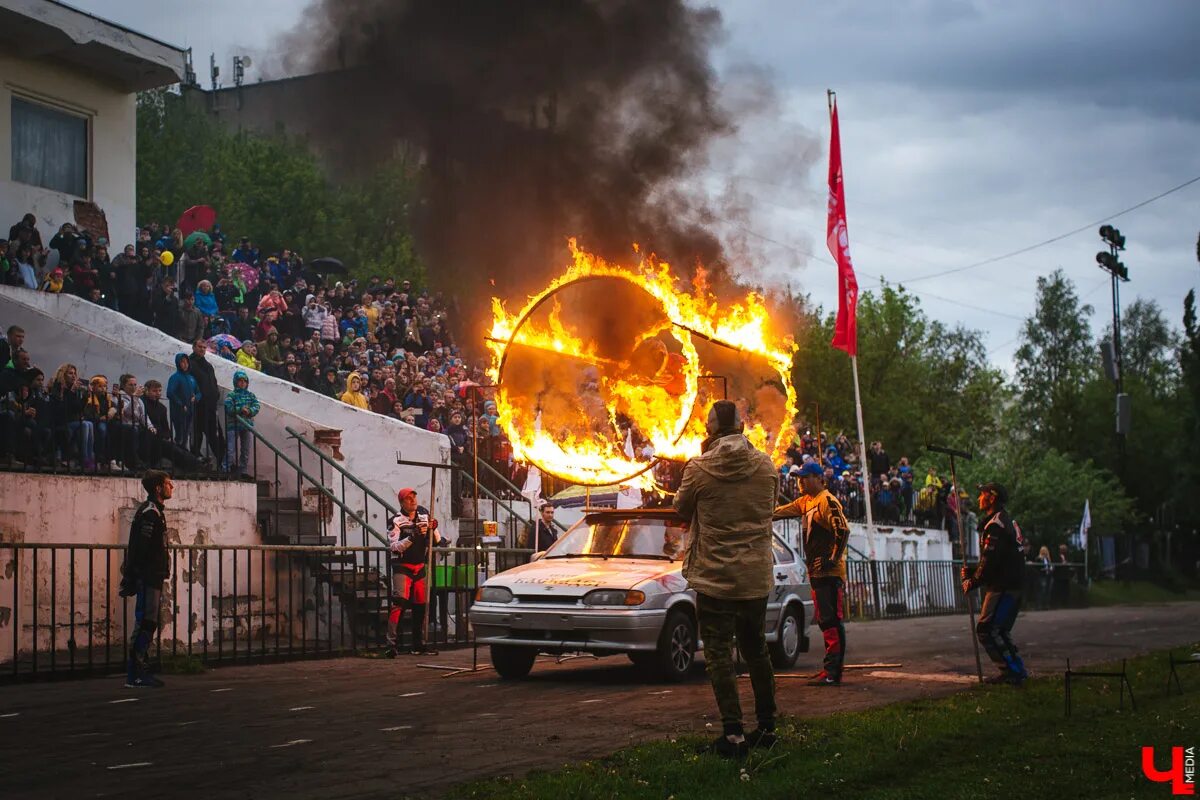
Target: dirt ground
{"x":360,"y":727}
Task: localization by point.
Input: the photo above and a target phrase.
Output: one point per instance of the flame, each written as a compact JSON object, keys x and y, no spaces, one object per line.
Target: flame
{"x":575,"y":449}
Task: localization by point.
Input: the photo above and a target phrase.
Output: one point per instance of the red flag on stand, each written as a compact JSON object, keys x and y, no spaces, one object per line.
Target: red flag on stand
{"x":845,"y":334}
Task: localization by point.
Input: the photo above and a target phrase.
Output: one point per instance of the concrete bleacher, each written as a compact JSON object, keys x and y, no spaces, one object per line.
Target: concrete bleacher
{"x":63,"y":328}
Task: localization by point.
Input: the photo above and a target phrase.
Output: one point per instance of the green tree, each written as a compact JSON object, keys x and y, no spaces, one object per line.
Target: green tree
{"x":1148,"y":347}
{"x":920,"y":379}
{"x":1053,"y":362}
{"x":272,"y":189}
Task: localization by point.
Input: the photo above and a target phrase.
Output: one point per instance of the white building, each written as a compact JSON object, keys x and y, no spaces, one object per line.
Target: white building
{"x":68,"y":86}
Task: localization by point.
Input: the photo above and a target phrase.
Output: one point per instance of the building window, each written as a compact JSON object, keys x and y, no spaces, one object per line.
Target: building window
{"x":49,"y":148}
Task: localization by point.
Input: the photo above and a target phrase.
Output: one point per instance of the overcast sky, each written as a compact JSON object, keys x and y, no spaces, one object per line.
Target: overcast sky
{"x":969,"y":130}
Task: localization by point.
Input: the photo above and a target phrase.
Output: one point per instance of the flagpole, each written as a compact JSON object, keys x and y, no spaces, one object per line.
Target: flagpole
{"x":862,"y":437}
{"x":862,"y":454}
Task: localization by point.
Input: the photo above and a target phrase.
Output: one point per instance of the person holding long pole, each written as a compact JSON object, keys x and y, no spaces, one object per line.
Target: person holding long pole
{"x":410,"y":534}
{"x":1000,"y":573}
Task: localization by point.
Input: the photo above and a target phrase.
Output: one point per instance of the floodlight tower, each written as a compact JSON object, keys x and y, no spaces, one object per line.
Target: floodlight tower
{"x":1112,"y":359}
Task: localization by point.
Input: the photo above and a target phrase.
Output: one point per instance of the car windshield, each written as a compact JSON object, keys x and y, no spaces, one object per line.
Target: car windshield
{"x":623,"y":538}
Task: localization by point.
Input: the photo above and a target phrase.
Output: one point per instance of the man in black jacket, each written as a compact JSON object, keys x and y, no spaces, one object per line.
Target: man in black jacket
{"x":206,"y":410}
{"x":146,"y":567}
{"x":162,"y":443}
{"x":1000,"y":574}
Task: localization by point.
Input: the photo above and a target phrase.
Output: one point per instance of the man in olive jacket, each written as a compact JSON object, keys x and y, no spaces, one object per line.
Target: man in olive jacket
{"x":728,"y":493}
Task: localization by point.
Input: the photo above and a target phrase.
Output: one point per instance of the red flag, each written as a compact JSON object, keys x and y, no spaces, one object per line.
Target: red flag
{"x":845,"y":333}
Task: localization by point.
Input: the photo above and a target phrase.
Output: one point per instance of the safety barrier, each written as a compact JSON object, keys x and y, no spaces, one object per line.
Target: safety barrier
{"x":244,"y":604}
{"x":893,"y":589}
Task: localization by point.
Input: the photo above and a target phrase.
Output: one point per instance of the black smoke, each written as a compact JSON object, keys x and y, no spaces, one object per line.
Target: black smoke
{"x":536,"y":120}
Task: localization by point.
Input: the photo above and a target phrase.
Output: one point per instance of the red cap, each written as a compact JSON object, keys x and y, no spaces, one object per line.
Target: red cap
{"x":405,"y":492}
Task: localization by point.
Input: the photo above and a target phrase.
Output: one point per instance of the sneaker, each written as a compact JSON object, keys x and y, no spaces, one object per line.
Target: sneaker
{"x":765,"y":739}
{"x":823,"y":678}
{"x":144,"y":682}
{"x":417,"y":651}
{"x":389,"y":653}
{"x":725,"y":748}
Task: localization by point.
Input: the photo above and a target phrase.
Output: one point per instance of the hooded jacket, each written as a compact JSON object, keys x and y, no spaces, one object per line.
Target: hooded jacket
{"x":240,"y":400}
{"x":353,"y":396}
{"x":728,"y":495}
{"x":248,"y":361}
{"x":206,"y":302}
{"x":182,"y":390}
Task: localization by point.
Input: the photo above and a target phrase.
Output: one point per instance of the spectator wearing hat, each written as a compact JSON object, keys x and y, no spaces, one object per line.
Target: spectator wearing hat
{"x":826,"y":536}
{"x":1000,"y":573}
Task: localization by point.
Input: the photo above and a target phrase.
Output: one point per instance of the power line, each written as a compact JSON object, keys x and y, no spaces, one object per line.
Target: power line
{"x":1058,"y":238}
{"x":881,"y":279}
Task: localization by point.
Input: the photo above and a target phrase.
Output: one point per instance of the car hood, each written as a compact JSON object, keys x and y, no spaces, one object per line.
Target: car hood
{"x":575,"y":577}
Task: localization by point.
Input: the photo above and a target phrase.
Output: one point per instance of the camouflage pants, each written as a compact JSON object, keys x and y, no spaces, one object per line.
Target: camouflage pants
{"x":720,"y":621}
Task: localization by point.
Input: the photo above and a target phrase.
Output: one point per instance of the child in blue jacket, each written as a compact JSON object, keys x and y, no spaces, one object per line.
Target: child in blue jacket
{"x":183,"y":393}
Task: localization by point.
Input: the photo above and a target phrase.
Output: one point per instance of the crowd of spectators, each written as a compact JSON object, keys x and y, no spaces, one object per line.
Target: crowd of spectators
{"x":897,"y":494}
{"x":382,"y":345}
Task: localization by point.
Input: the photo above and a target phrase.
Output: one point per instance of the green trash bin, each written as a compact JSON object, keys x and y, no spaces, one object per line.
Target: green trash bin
{"x":454,"y":576}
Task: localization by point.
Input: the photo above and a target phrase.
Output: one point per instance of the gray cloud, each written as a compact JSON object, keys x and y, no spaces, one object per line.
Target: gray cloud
{"x":969,"y":129}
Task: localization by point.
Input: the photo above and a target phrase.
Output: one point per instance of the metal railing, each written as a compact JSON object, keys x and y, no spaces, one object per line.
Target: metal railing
{"x":344,"y":475}
{"x":68,"y":437}
{"x":237,"y":604}
{"x":878,"y":589}
{"x":321,"y":515}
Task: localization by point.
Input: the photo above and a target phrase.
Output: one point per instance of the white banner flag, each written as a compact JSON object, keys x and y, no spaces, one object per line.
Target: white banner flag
{"x":1085,"y":525}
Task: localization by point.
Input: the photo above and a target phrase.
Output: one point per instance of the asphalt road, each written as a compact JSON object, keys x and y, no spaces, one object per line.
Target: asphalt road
{"x":360,"y":727}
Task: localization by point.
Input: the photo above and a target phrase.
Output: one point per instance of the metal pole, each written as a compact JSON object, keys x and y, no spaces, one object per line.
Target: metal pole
{"x":962,"y":544}
{"x":820,"y":447}
{"x":862,"y":449}
{"x":429,"y":554}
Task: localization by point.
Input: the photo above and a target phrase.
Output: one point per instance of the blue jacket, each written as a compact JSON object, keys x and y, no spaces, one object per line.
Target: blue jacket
{"x":182,"y":390}
{"x":207,"y":303}
{"x":240,"y":399}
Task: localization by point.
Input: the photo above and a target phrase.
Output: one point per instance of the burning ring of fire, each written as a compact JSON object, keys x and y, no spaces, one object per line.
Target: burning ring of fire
{"x":665,"y":415}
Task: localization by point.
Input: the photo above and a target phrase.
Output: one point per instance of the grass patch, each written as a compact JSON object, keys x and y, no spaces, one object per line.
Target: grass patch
{"x":1114,"y":593}
{"x":985,"y":742}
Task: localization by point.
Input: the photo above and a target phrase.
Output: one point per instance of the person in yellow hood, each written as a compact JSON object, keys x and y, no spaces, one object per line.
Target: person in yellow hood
{"x":354,"y":394}
{"x":247,"y":356}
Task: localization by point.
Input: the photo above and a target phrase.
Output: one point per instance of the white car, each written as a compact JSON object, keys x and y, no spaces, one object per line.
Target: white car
{"x":613,"y":584}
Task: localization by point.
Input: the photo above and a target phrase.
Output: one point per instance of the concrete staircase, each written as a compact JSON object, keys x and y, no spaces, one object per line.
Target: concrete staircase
{"x":355,"y":580}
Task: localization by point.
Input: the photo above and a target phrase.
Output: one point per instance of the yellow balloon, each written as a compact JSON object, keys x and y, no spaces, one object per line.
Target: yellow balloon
{"x":167,"y":258}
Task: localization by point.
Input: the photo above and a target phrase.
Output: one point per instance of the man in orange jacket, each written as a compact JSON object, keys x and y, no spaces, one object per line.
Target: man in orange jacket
{"x":826,"y":535}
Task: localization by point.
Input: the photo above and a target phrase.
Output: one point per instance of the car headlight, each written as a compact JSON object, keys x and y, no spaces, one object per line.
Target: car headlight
{"x":614,"y":597}
{"x":493,"y":594}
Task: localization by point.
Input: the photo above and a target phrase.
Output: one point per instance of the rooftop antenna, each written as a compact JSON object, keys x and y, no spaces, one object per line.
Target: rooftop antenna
{"x":189,"y":70}
{"x":240,"y":63}
{"x":214,"y":71}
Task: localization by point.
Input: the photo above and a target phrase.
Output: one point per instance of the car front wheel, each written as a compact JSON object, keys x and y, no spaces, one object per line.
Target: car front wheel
{"x":512,"y":662}
{"x":676,"y":646}
{"x":786,"y":648}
